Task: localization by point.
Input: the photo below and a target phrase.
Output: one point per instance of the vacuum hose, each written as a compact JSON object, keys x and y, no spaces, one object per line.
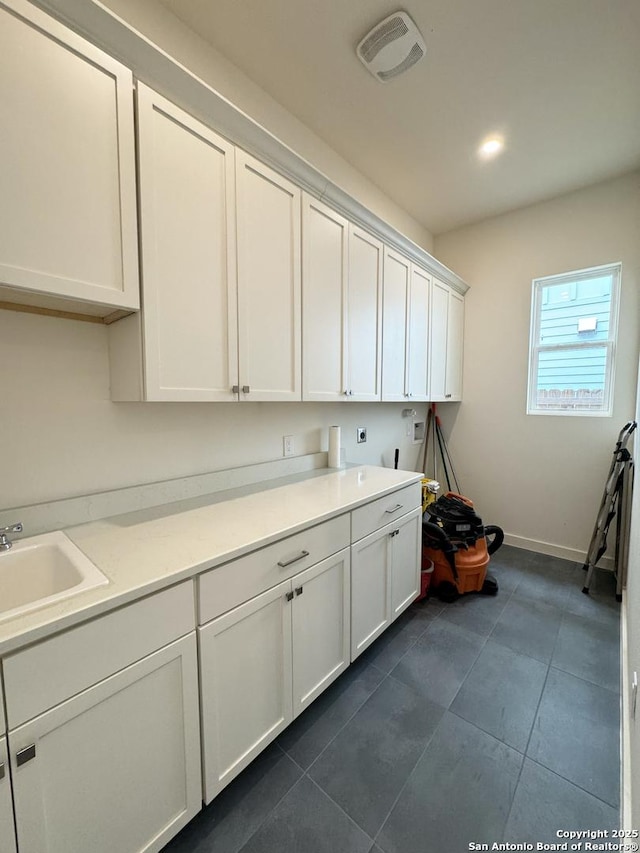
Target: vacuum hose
{"x":439,"y":538}
{"x":494,"y":536}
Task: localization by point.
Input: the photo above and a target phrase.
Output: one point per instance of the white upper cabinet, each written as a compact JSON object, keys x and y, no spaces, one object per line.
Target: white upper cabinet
{"x":455,"y":346}
{"x":188,"y":251}
{"x":364,"y":316}
{"x":220,"y":249}
{"x":269,"y":283}
{"x":446,"y":343}
{"x":324,"y":293}
{"x":417,"y":381}
{"x":342,"y":305}
{"x":405,"y":332}
{"x":397,"y":270}
{"x":67,"y":170}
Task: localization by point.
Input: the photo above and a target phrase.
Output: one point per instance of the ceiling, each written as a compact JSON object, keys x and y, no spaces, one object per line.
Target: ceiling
{"x":559,"y":79}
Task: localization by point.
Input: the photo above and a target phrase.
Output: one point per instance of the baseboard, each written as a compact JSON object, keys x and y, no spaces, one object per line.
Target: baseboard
{"x":553,"y":550}
{"x":625,"y":723}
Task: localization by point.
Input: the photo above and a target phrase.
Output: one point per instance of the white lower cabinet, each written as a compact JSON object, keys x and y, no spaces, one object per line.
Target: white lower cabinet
{"x":245,"y":670}
{"x":321,"y":627}
{"x":385,"y":578}
{"x":7,"y":828}
{"x":264,"y":661}
{"x":104,"y":732}
{"x":116,"y":767}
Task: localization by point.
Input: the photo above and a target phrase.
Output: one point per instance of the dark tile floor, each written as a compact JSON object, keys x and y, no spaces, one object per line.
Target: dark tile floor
{"x":487,"y":720}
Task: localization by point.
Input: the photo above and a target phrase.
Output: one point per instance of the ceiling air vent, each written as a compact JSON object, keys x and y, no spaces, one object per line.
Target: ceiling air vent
{"x":392,"y":47}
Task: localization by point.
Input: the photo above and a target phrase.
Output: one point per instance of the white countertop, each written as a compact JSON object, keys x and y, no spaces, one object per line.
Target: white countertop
{"x":145,"y":551}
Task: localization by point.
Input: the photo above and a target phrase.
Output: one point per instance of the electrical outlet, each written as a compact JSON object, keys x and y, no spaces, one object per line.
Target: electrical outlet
{"x":288,"y":445}
{"x":361,"y":434}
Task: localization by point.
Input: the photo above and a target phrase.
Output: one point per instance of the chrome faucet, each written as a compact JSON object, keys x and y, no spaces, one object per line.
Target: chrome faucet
{"x":5,"y":542}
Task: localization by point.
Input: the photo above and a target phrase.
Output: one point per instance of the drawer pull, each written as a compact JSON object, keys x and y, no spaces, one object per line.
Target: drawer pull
{"x":284,"y":563}
{"x":299,"y":590}
{"x":25,"y":755}
{"x":393,"y":509}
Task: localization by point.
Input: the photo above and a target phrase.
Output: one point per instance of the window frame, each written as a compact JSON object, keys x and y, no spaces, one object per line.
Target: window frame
{"x":537,"y":289}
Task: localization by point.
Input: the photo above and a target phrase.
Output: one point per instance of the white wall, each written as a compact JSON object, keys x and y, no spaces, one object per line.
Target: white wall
{"x":62,"y":436}
{"x":539,"y":477}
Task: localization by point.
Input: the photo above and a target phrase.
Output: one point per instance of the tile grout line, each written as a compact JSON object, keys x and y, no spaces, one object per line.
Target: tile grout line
{"x":275,"y":806}
{"x":524,"y":756}
{"x":406,"y":781}
{"x":385,"y":675}
{"x":575,"y":784}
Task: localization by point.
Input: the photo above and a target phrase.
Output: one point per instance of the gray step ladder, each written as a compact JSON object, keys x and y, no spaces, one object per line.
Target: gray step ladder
{"x":616,"y":503}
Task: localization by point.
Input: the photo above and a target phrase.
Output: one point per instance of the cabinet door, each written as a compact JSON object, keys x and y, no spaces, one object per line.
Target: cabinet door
{"x":187,"y":211}
{"x":116,"y":767}
{"x":245,"y":675}
{"x":438,"y":339}
{"x":455,"y":347}
{"x":269,"y":319}
{"x":370,"y":589}
{"x":324,"y":285}
{"x":67,"y":171}
{"x":321,"y":627}
{"x":394,"y":325}
{"x":405,"y":562}
{"x":7,"y":827}
{"x":364,"y":316}
{"x":418,"y":334}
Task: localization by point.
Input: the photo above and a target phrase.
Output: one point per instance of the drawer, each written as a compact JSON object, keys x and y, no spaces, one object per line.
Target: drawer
{"x":53,"y":670}
{"x":231,"y":584}
{"x":376,"y":514}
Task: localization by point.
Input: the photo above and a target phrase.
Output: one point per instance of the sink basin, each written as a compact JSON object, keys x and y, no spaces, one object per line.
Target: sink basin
{"x":43,"y":569}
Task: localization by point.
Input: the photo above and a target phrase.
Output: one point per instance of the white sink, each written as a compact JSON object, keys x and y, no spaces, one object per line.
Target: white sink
{"x":40,"y":570}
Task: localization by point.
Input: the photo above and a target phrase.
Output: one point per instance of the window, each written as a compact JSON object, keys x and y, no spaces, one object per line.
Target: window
{"x":574,"y":321}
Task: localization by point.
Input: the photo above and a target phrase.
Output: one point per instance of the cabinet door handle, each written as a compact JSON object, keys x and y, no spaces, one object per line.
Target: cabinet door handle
{"x":235,"y":389}
{"x":246,"y":389}
{"x":447,"y":396}
{"x":284,"y":563}
{"x":394,"y":533}
{"x":393,"y":509}
{"x":3,"y":772}
{"x":289,"y":596}
{"x":299,"y":590}
{"x":25,"y":754}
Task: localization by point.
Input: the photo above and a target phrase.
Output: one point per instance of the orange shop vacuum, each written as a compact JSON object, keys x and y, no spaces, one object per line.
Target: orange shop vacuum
{"x":459,"y":545}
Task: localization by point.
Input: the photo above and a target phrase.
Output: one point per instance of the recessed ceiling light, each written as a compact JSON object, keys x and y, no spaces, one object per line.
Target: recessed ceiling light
{"x":491,"y":147}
